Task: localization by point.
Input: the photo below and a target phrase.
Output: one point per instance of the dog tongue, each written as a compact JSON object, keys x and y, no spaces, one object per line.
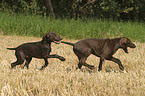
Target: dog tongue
{"x":56,"y":42}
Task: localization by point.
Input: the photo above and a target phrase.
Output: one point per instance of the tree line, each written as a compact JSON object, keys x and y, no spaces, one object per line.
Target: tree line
{"x":133,"y":10}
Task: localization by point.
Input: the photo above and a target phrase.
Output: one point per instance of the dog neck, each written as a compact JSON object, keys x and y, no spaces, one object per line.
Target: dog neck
{"x":46,"y":44}
{"x":116,"y":43}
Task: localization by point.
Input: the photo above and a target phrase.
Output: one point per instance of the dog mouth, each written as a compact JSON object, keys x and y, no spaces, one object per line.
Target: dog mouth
{"x":57,"y":42}
{"x":126,"y":51}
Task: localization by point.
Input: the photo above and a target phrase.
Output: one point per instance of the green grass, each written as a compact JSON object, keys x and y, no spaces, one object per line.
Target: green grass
{"x":70,"y":28}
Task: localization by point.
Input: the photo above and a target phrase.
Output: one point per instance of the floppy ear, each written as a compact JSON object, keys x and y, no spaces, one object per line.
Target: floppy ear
{"x":45,"y":37}
{"x":123,"y":44}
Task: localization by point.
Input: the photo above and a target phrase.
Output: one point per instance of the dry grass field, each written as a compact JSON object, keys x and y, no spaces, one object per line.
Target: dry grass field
{"x":61,"y":78}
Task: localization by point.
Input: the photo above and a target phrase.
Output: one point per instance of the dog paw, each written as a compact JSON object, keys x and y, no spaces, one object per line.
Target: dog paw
{"x":13,"y":66}
{"x":62,"y":58}
{"x":42,"y":68}
{"x":92,"y":67}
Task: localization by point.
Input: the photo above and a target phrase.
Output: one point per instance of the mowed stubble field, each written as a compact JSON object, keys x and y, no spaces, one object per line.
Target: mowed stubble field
{"x":62,"y":79}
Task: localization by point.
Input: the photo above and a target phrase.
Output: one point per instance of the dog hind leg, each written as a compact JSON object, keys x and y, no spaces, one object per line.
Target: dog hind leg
{"x":20,"y":59}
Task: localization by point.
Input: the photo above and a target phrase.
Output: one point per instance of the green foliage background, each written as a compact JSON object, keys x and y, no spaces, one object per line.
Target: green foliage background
{"x":14,"y":24}
{"x":109,"y":9}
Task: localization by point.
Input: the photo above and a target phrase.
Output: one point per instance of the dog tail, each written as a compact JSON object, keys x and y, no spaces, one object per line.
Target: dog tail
{"x":12,"y":48}
{"x":67,"y":43}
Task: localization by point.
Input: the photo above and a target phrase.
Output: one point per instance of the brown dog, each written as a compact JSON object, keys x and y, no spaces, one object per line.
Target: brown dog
{"x":103,"y":48}
{"x":39,"y":50}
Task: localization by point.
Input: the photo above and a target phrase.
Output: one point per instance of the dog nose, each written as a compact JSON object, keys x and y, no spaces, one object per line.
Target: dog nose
{"x":134,"y":46}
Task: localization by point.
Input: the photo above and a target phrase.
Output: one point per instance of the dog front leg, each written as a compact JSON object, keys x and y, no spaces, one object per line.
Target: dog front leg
{"x":100,"y":64}
{"x":46,"y":64}
{"x":118,"y":62}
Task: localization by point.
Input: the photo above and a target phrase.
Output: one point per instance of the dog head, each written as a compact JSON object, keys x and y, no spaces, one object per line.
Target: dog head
{"x":52,"y":37}
{"x":125,"y":42}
